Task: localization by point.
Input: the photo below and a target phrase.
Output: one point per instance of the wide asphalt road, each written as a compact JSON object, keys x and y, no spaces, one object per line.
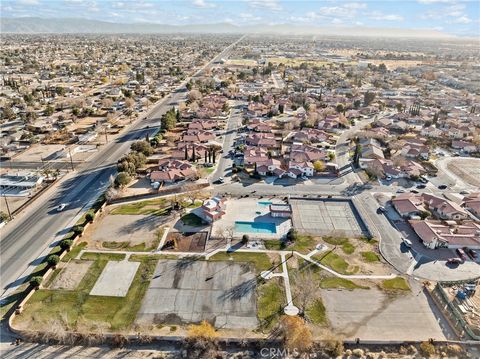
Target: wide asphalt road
{"x":25,"y":240}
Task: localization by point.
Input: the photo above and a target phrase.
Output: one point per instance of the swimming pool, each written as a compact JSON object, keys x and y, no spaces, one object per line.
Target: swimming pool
{"x":265,"y":203}
{"x":255,"y":227}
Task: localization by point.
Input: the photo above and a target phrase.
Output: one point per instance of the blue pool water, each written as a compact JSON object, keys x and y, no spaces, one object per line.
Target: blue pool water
{"x":255,"y":227}
{"x":266,"y":203}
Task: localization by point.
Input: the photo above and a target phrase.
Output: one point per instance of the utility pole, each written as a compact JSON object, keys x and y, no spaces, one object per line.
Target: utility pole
{"x":8,"y":208}
{"x":106,"y":137}
{"x":71,"y":160}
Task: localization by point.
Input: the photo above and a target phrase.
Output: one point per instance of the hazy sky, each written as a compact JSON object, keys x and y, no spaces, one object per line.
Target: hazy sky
{"x":452,"y":17}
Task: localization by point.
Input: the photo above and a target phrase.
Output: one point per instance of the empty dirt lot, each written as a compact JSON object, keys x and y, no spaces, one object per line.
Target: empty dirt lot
{"x":132,"y":229}
{"x":190,"y":290}
{"x":468,"y":169}
{"x":71,"y":275}
{"x":372,"y":314}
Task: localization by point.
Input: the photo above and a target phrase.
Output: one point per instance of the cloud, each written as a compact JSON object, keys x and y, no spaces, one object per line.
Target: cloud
{"x":249,"y":17}
{"x":435,"y":1}
{"x":344,"y":11}
{"x":28,"y":2}
{"x":461,"y":20}
{"x":456,"y":10}
{"x":203,"y":4}
{"x":265,"y":4}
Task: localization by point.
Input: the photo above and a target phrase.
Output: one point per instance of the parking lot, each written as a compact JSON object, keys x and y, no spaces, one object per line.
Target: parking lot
{"x":326,"y":217}
{"x":190,"y":290}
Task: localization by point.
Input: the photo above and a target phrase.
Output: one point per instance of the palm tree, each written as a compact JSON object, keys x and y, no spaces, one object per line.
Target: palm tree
{"x":47,"y":172}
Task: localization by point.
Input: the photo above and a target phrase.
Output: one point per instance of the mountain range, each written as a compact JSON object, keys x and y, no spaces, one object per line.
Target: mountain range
{"x":36,"y":25}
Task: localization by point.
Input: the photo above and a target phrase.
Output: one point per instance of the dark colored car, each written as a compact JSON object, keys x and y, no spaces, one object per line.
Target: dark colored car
{"x":442,"y":186}
{"x":471,"y":253}
{"x":381,"y":210}
{"x":414,"y":191}
{"x":421,"y":186}
{"x":462,"y":254}
{"x":454,"y":261}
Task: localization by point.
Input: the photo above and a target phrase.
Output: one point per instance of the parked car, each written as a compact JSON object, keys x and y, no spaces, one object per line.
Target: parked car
{"x":61,"y":207}
{"x":423,"y":179}
{"x":462,"y":254}
{"x":464,"y":192}
{"x":407,"y":242}
{"x":220,"y":180}
{"x":381,"y":210}
{"x":471,"y":253}
{"x":443,"y":186}
{"x":421,"y":186}
{"x":400,"y":190}
{"x":454,"y":260}
{"x":414,"y":191}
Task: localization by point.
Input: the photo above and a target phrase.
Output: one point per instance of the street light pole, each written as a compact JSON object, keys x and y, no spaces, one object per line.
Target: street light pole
{"x":8,"y":208}
{"x":71,"y":160}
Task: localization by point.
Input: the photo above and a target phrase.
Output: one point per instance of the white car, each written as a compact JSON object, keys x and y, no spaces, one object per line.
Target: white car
{"x":407,"y":242}
{"x":61,"y":207}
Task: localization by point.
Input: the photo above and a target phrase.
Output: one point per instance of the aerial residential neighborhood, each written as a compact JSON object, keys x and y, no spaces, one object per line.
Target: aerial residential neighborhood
{"x":231,"y":191}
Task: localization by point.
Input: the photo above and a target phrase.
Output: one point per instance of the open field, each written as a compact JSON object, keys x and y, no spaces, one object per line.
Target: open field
{"x":296,"y":61}
{"x":134,"y":232}
{"x":468,"y":169}
{"x":75,"y":309}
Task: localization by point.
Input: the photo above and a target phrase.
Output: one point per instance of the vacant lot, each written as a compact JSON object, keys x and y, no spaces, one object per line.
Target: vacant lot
{"x":121,"y":231}
{"x":192,"y":290}
{"x":468,"y":169}
{"x":71,"y":276}
{"x":77,"y":309}
{"x":322,"y":218}
{"x":372,"y":314}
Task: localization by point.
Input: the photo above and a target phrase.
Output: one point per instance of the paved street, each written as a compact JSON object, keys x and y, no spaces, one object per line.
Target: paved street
{"x":224,"y":166}
{"x":28,"y":238}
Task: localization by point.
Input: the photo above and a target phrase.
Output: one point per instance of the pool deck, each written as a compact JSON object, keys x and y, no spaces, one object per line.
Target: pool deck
{"x":248,"y":210}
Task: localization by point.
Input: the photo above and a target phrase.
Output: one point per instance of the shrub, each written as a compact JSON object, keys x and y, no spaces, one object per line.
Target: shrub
{"x":53,"y":260}
{"x":427,"y":349}
{"x":36,"y":281}
{"x":122,"y":179}
{"x":245,"y":239}
{"x":203,"y":330}
{"x":334,"y":347}
{"x":292,"y":235}
{"x":143,"y":147}
{"x":66,"y":244}
{"x":296,"y":334}
{"x":89,"y":217}
{"x":78,"y":230}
